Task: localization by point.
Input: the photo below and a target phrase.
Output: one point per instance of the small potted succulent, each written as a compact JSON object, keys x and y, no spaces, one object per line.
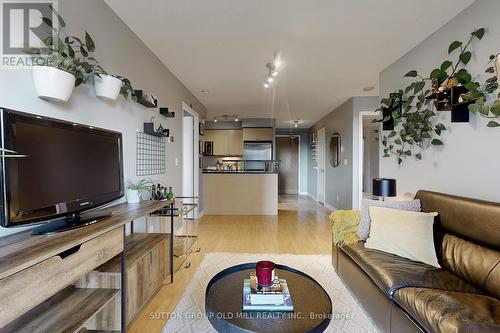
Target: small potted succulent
{"x":134,"y":190}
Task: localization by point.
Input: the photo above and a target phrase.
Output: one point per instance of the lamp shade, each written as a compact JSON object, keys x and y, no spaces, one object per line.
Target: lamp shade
{"x":384,"y":187}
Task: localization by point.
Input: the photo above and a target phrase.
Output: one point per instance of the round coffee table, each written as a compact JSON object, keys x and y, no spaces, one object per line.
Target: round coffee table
{"x":224,"y":297}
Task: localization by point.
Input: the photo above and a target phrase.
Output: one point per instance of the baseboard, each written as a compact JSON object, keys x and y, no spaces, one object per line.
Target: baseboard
{"x":330,"y":207}
{"x":308,"y":195}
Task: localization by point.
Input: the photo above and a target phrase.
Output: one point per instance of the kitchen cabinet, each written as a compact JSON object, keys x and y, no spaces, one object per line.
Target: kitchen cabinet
{"x":258,"y":134}
{"x":226,"y":142}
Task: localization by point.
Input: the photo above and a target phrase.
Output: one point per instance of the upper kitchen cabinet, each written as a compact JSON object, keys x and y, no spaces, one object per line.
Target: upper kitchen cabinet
{"x":225,"y":142}
{"x":257,"y":134}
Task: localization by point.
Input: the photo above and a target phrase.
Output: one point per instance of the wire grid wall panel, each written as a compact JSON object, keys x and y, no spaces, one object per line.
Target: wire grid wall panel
{"x":151,"y":155}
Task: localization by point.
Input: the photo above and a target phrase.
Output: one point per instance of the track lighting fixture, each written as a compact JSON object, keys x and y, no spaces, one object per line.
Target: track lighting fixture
{"x":273,"y":69}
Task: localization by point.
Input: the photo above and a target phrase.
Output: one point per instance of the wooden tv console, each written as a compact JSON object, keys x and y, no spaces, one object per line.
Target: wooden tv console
{"x":71,"y":281}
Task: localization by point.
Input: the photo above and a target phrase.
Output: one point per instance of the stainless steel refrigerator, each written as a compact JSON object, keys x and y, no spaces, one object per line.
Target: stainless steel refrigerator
{"x":257,"y":151}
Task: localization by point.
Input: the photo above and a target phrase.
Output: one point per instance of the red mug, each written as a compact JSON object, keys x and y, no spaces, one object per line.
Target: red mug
{"x":264,"y":271}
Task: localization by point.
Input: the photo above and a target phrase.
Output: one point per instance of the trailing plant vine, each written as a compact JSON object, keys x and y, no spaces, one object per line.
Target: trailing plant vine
{"x":415,"y":128}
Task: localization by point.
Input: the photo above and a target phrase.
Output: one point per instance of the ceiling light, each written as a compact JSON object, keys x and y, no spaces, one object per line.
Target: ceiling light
{"x":266,"y":85}
{"x":274,"y":73}
{"x":295,"y":123}
{"x":236,"y":119}
{"x":270,"y":79}
{"x":215,"y":120}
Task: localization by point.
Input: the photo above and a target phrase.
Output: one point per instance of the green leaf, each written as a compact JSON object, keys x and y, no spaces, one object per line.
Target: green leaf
{"x":47,"y":21}
{"x":435,"y":73}
{"x":441,"y":127}
{"x":398,"y":142}
{"x":445,"y":65}
{"x":392,"y":134}
{"x":490,"y":70}
{"x":412,"y":73}
{"x":437,"y":142}
{"x":89,"y":42}
{"x":408,"y":152}
{"x":84,"y":51}
{"x":479,"y":33}
{"x":465,"y":57}
{"x":418,"y":156}
{"x":419,"y":86}
{"x":493,"y":123}
{"x":495,"y":108}
{"x":453,"y":46}
{"x":484,"y":110}
{"x":472,"y":86}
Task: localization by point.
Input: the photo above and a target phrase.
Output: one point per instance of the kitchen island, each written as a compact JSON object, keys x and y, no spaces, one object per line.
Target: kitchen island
{"x":240,"y":193}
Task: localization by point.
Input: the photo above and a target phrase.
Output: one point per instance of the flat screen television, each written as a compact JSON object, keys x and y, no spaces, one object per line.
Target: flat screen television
{"x":66,"y":169}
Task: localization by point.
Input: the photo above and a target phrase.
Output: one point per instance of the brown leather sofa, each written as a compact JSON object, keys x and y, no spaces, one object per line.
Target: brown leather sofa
{"x":402,"y":295}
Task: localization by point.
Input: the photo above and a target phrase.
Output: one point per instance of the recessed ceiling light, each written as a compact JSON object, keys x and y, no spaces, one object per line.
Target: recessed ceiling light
{"x":206,"y":92}
{"x":275,"y":73}
{"x":270,"y":80}
{"x":236,"y":119}
{"x":266,"y":85}
{"x":215,"y":120}
{"x":369,"y":88}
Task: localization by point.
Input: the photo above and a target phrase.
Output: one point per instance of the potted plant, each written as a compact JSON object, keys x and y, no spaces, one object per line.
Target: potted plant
{"x":58,"y":66}
{"x":134,"y":190}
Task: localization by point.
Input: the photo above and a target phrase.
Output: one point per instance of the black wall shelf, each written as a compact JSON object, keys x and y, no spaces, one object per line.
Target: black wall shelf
{"x":141,"y":100}
{"x":449,"y":100}
{"x":164,"y":112}
{"x":149,"y":129}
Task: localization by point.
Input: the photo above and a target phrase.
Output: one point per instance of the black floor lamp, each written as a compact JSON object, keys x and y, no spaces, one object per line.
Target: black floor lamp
{"x":384,"y":187}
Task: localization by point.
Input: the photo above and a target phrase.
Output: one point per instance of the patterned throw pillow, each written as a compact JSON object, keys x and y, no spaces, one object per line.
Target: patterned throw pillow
{"x":364,"y":224}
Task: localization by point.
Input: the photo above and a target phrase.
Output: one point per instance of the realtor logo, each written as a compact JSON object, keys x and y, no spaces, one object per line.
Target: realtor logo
{"x":22,"y":30}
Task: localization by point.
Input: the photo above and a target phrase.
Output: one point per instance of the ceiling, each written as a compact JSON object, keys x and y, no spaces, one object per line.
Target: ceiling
{"x":331,"y":49}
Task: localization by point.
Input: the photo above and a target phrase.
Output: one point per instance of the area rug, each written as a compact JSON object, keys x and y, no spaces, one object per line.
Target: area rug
{"x":188,"y":315}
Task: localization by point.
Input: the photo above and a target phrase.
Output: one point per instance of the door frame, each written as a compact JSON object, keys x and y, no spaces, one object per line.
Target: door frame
{"x":321,"y":167}
{"x":196,"y":147}
{"x":298,"y":157}
{"x":361,"y":146}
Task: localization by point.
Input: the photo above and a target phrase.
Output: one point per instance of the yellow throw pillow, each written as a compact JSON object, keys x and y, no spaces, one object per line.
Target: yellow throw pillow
{"x":406,"y":234}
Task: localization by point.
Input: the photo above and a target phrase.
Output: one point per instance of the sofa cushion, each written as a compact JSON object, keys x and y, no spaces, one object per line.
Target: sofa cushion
{"x":450,"y":311}
{"x":462,"y":258}
{"x":391,"y":272}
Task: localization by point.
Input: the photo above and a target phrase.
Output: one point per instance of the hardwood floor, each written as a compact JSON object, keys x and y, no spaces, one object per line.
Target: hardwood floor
{"x":301,"y":227}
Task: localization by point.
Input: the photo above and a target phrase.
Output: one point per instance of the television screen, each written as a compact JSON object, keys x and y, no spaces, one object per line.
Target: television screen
{"x":68,"y":168}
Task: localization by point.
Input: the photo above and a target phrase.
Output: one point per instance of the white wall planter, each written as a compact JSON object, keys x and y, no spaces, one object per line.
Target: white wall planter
{"x":107,"y":87}
{"x":53,"y":84}
{"x":133,"y":196}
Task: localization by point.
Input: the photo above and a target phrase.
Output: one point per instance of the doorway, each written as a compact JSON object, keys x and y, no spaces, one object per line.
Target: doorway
{"x":368,"y":153}
{"x":287,"y":152}
{"x":320,"y":157}
{"x":190,"y":161}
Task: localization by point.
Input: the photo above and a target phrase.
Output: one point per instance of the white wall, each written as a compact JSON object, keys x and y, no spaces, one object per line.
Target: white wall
{"x":469,"y":162}
{"x":121,"y":52}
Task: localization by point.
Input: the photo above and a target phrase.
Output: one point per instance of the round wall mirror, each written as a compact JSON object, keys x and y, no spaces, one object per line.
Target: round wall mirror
{"x":335,"y":145}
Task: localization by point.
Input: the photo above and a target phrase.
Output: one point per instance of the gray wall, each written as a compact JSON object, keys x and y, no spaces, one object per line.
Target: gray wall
{"x":304,"y":155}
{"x":469,"y":161}
{"x":121,"y":52}
{"x":342,"y":181}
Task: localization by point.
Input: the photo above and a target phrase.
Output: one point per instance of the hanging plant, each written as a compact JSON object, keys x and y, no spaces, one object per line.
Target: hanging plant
{"x":485,"y":96}
{"x":415,"y":129}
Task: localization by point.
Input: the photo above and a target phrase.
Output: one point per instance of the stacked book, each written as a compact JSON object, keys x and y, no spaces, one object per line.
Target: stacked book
{"x":275,"y":297}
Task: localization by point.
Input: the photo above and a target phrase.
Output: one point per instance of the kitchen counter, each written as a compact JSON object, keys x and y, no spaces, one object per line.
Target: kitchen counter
{"x":240,"y":193}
